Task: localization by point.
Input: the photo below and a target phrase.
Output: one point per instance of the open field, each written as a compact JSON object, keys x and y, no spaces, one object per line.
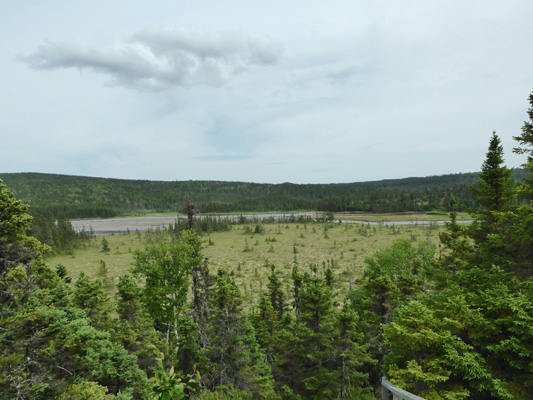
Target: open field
{"x":249,"y":250}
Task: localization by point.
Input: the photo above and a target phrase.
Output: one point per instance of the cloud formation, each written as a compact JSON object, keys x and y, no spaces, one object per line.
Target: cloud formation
{"x":156,"y":59}
{"x":356,"y":91}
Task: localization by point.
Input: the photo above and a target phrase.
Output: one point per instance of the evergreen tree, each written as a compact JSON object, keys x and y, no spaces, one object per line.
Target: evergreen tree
{"x":322,"y":352}
{"x":266,"y":323}
{"x":105,"y":245}
{"x":352,"y":355}
{"x":466,"y":339}
{"x":188,"y":210}
{"x":267,"y":315}
{"x":458,"y":246}
{"x":89,"y":295}
{"x":318,"y":336}
{"x":495,"y":193}
{"x":393,"y":276}
{"x":495,"y":187}
{"x":236,"y":359}
{"x":47,"y":343}
{"x":16,"y":246}
{"x":520,"y":235}
{"x":276,"y":293}
{"x":129,"y":298}
{"x":202,"y":307}
{"x":134,"y":329}
{"x":525,"y":140}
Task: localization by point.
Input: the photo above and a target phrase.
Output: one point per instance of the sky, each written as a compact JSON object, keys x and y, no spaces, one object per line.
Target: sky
{"x":269,"y":92}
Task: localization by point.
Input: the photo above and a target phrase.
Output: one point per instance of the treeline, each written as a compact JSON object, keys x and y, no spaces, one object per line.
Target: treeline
{"x":63,"y":196}
{"x":58,"y":234}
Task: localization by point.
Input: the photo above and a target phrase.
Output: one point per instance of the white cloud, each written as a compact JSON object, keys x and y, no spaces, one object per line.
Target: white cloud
{"x":157,"y":59}
{"x":357,"y":91}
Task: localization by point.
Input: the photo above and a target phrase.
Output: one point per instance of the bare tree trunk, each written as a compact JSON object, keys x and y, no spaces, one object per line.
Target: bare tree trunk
{"x":176,"y":333}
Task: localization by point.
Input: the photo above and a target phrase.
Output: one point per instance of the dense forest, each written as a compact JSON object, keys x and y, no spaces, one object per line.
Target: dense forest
{"x":451,"y":324}
{"x":79,"y":197}
{"x":54,"y":199}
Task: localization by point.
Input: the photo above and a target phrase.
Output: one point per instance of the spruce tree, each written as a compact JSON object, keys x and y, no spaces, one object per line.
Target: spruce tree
{"x":235,"y":356}
{"x":134,"y":328}
{"x":495,"y":187}
{"x":307,"y":362}
{"x":189,"y":211}
{"x":466,"y":337}
{"x":90,"y":296}
{"x":276,"y":293}
{"x":266,"y":323}
{"x":16,"y":246}
{"x":393,"y":275}
{"x":525,"y":141}
{"x":495,"y":192}
{"x":202,"y":309}
{"x":352,"y":356}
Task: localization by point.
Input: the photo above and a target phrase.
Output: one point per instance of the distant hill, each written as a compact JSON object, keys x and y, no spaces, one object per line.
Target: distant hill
{"x":65,"y":196}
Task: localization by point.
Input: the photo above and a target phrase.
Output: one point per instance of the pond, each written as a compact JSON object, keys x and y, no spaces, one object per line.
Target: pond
{"x":107,"y":226}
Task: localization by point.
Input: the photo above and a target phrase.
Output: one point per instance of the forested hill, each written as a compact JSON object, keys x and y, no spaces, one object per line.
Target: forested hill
{"x":66,"y":196}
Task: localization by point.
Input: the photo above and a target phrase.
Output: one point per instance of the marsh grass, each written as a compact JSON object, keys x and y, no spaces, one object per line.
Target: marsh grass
{"x":249,"y":255}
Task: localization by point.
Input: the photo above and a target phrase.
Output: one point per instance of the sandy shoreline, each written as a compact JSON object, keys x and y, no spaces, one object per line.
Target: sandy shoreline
{"x":107,"y":226}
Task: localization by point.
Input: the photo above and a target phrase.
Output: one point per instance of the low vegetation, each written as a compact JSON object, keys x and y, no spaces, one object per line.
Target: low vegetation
{"x":249,"y":255}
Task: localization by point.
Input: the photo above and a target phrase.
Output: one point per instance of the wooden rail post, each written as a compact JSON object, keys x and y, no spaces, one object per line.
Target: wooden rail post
{"x":388,"y":389}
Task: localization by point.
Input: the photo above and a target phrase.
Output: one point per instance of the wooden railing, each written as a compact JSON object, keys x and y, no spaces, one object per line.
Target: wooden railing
{"x":389,"y":391}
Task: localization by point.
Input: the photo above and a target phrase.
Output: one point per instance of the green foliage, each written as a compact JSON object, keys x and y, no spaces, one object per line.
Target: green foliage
{"x":165,"y":267}
{"x":354,"y":359}
{"x":57,"y":233}
{"x":81,"y":197}
{"x":494,"y":188}
{"x":266,"y":324}
{"x":471,"y":337}
{"x":134,"y":329}
{"x":435,"y":354}
{"x":166,"y":385}
{"x":321,"y":351}
{"x":392,"y":276}
{"x":61,"y":271}
{"x":276,"y":293}
{"x":16,"y":246}
{"x":85,"y":390}
{"x":525,"y":141}
{"x":226,"y":393}
{"x":48,"y":341}
{"x":456,"y":327}
{"x":90,"y":296}
{"x":105,"y":245}
{"x":188,"y":210}
{"x":235,"y":357}
{"x":129,"y":298}
{"x":467,"y":340}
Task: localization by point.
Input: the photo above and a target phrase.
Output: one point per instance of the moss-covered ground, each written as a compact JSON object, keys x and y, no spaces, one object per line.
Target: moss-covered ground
{"x":250,"y":250}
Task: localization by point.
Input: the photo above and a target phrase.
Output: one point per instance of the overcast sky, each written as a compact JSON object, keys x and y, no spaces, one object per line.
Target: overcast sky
{"x":273,"y":91}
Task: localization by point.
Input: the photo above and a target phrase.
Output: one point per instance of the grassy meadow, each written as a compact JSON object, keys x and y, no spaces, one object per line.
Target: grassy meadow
{"x":250,"y":250}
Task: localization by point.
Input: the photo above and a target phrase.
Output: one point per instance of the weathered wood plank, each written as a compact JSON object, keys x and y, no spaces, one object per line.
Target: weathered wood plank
{"x":388,"y":388}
